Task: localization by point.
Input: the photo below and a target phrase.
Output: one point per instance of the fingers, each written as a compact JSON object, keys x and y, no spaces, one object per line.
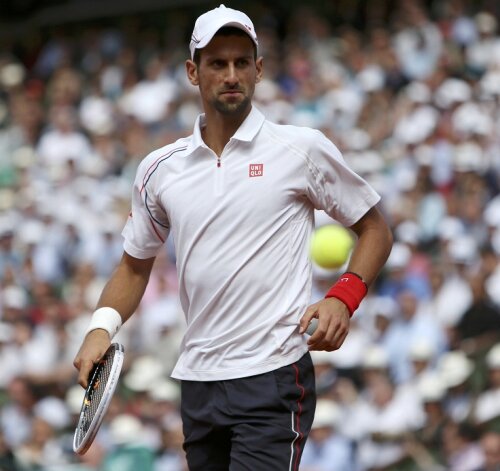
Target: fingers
{"x":310,"y":314}
{"x":84,"y":372}
{"x":327,"y":345}
{"x":328,"y":338}
{"x":332,"y":328}
{"x":93,"y":348}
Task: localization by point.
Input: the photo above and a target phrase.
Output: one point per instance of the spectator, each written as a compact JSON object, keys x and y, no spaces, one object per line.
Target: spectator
{"x":455,"y":370}
{"x":63,"y":147}
{"x":326,"y":450}
{"x":432,"y":392}
{"x":16,"y":415}
{"x":461,"y":446}
{"x":128,"y":452}
{"x":418,"y":45}
{"x":411,"y":327}
{"x":479,"y":327}
{"x":7,"y":459}
{"x":388,"y":416}
{"x":490,"y":445}
{"x":486,"y":410}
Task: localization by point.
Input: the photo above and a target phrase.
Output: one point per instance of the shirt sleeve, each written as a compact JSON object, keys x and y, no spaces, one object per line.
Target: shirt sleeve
{"x":147,"y":227}
{"x":333,"y":187}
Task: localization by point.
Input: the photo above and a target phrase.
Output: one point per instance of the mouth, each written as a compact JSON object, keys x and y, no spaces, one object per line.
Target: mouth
{"x":231,"y":92}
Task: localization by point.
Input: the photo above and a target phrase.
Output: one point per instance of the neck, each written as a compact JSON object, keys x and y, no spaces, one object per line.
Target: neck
{"x":220,"y":128}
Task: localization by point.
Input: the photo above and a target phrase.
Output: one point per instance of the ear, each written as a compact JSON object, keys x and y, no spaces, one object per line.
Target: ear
{"x":260,"y":69}
{"x":192,"y":72}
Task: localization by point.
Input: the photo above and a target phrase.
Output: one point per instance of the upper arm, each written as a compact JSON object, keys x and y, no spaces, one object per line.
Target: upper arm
{"x":333,"y":186}
{"x":147,"y":226}
{"x":372,"y":219}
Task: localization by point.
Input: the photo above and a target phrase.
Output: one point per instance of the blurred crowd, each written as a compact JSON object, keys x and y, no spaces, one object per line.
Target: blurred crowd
{"x":414,"y":105}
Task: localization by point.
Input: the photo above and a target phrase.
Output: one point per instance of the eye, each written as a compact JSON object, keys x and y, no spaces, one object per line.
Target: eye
{"x":218,"y":63}
{"x":243,"y":62}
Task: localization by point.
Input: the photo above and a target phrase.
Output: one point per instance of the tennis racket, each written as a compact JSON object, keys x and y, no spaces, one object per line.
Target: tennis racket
{"x":102,"y":384}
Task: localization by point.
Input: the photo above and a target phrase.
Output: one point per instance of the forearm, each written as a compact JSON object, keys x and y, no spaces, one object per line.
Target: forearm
{"x":368,"y":257}
{"x":124,"y":290}
{"x":372,"y":247}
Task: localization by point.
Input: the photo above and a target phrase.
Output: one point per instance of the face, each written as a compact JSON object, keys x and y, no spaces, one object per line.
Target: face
{"x":490,"y":443}
{"x":226,"y":74}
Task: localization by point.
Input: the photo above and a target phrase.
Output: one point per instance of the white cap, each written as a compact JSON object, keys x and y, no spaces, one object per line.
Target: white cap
{"x":144,"y":371}
{"x":54,"y":411}
{"x":407,"y":232}
{"x":125,"y":429}
{"x":469,"y":157}
{"x":450,"y":228}
{"x":490,"y":82}
{"x":14,"y":297}
{"x":322,"y":357}
{"x":375,"y":357}
{"x":463,"y":249}
{"x":454,"y":368}
{"x":418,"y":92}
{"x":495,"y":243}
{"x":486,"y":23}
{"x":399,"y":257}
{"x":7,"y":332}
{"x":210,"y":22}
{"x":421,"y":350}
{"x":493,"y":357}
{"x":491,"y":213}
{"x":164,"y":389}
{"x":384,"y":306}
{"x":74,"y":398}
{"x":356,"y":139}
{"x":371,"y":78}
{"x":327,"y":414}
{"x":431,"y":387}
{"x":452,"y":91}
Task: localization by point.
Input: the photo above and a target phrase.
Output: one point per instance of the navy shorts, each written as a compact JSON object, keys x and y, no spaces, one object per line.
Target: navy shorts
{"x":258,"y":423}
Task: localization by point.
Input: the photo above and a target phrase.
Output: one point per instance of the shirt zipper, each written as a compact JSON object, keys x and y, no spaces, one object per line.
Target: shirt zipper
{"x":219,"y":177}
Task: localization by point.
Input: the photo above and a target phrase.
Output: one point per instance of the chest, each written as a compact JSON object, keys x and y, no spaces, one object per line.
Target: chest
{"x":244,"y":187}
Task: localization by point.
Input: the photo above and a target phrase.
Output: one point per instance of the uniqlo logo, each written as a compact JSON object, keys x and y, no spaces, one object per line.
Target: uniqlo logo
{"x":256,"y":170}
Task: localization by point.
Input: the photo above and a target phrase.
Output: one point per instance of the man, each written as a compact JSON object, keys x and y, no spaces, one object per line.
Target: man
{"x":238,"y":197}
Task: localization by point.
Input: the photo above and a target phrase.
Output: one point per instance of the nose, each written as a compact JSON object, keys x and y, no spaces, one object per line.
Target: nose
{"x":231,"y":77}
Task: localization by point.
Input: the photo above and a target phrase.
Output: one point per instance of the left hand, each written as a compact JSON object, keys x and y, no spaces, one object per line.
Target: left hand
{"x":333,"y":324}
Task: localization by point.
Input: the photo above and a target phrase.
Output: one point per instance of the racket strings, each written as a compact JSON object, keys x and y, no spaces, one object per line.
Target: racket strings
{"x":96,"y":391}
{"x":102,"y":383}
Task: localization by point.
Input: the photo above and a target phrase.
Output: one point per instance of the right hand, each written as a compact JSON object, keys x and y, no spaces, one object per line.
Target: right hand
{"x":332,"y":327}
{"x":93,"y":348}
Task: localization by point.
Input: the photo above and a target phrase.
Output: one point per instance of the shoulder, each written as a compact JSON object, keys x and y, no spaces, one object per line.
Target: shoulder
{"x":295,"y":133}
{"x":163,"y":154}
{"x":302,"y":139}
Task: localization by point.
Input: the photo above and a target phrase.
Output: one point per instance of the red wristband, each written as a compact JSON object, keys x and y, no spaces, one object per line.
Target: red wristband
{"x":350,"y":289}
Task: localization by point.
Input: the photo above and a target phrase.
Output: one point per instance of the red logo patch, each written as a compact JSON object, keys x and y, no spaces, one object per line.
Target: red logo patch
{"x":256,"y":170}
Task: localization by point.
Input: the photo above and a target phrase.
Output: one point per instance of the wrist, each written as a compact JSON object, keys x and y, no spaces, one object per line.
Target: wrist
{"x":350,"y":289}
{"x":340,"y":306}
{"x":107,"y":319}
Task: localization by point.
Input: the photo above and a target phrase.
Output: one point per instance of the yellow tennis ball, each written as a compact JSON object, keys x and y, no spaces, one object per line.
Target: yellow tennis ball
{"x":331,"y":246}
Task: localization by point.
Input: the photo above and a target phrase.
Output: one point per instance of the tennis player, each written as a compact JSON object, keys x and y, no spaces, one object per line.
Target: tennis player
{"x":238,"y":198}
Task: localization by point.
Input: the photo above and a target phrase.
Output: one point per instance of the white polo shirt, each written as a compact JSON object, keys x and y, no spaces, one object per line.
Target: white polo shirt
{"x":241,"y":232}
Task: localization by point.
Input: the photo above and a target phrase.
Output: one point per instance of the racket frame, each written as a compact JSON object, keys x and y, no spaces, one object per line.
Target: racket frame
{"x":82,"y":447}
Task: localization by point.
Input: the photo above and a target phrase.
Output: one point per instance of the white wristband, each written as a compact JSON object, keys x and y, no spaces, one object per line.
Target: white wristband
{"x":105,"y":318}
